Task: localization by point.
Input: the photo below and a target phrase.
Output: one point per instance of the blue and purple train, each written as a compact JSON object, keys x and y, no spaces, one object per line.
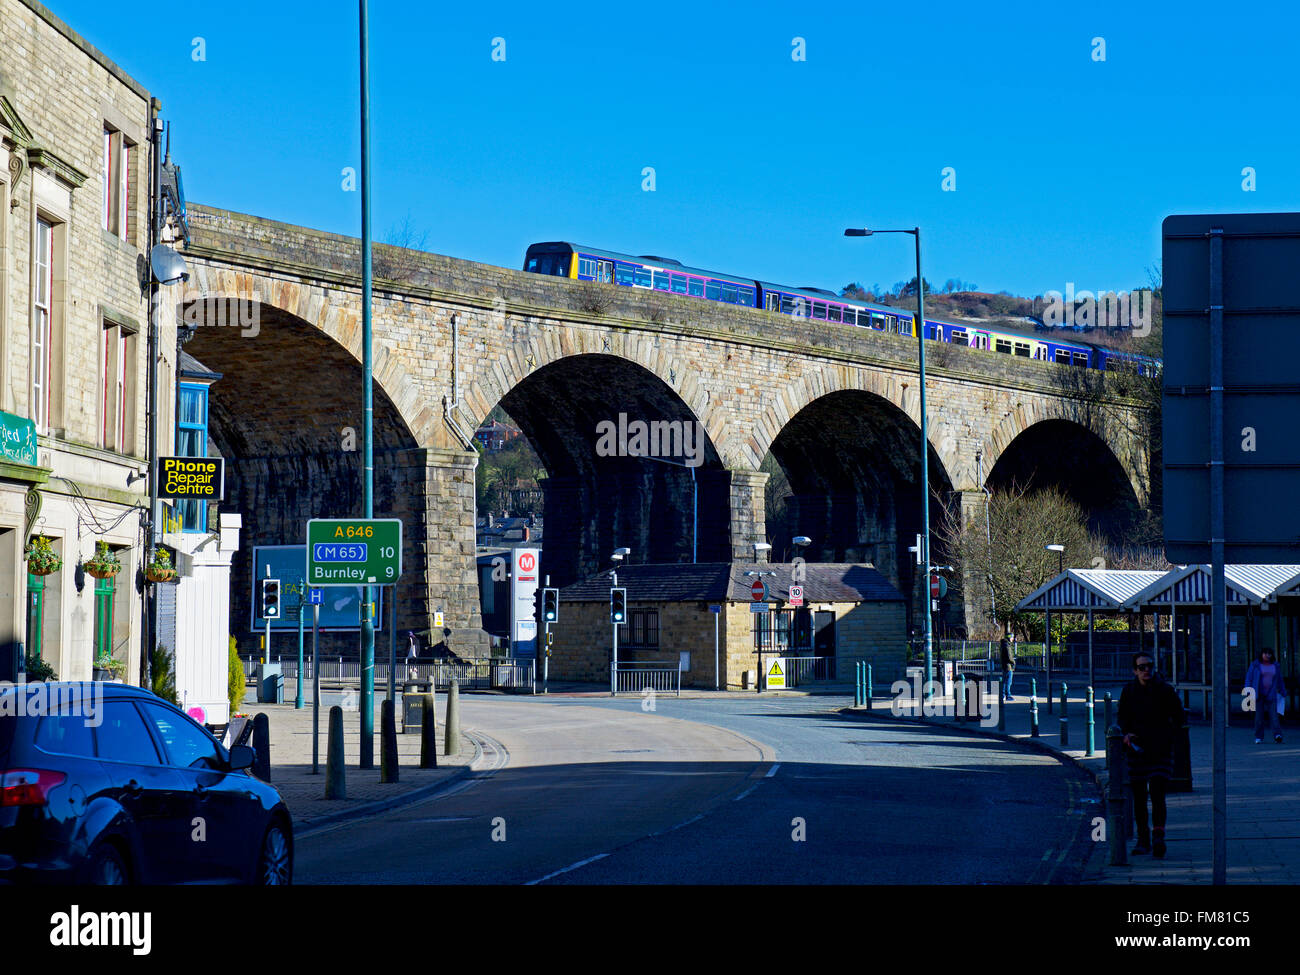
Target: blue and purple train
{"x":567,"y":260}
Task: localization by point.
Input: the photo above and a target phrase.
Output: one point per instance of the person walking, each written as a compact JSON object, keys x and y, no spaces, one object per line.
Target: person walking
{"x":1149,"y":715}
{"x":1008,"y":660}
{"x":1264,"y":677}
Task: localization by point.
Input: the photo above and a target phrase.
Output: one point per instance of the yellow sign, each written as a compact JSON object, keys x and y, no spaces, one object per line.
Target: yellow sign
{"x":437,"y":620}
{"x":775,"y":676}
{"x":198,"y":478}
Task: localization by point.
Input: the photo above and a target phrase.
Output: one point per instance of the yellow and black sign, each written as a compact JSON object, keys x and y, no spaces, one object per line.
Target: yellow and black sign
{"x":198,"y":478}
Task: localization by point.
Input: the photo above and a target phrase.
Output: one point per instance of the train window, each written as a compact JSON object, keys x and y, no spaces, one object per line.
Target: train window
{"x":623,"y":275}
{"x":604,"y":271}
{"x":850,"y":316}
{"x":531,"y":265}
{"x":793,"y":305}
{"x":904,"y":325}
{"x":833,"y":313}
{"x":819,"y":310}
{"x":891,"y":323}
{"x":713,"y":290}
{"x":1022,"y":349}
{"x":728,"y":292}
{"x":696,"y":286}
{"x":1081,"y":359}
{"x":878,"y":321}
{"x":641,"y":277}
{"x":746,"y":296}
{"x":957,"y":336}
{"x":587,"y":268}
{"x":1002,"y":345}
{"x":1063,"y":355}
{"x":932,"y":332}
{"x":661,"y":280}
{"x":772,"y":301}
{"x":679,"y":284}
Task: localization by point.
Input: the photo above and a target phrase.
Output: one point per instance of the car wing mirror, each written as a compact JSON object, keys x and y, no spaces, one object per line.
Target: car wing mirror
{"x":241,"y":757}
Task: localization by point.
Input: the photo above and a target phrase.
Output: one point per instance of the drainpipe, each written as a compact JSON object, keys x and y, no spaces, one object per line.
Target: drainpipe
{"x":454,"y":405}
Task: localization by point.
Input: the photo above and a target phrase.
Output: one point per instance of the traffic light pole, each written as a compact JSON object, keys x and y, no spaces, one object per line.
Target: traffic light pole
{"x":613,"y":674}
{"x":302,"y":592}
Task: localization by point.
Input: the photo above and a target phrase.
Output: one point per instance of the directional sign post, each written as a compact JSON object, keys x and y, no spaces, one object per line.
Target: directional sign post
{"x":354,"y":551}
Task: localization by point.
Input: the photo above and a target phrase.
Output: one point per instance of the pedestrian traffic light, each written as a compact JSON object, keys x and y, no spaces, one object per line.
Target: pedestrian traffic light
{"x":550,"y":605}
{"x":618,"y":605}
{"x":270,"y":599}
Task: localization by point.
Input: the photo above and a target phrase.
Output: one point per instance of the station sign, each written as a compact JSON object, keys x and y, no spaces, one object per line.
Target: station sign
{"x":354,"y":551}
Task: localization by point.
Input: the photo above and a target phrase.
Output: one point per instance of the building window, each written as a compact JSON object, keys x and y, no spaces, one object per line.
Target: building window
{"x":117,"y":374}
{"x":118,"y":157}
{"x":192,"y":441}
{"x":43,"y":324}
{"x":641,"y":631}
{"x":782,"y":631}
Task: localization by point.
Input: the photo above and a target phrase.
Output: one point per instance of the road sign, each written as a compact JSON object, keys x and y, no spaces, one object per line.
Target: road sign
{"x":316,"y":596}
{"x":938,"y":586}
{"x":758,"y":591}
{"x":715,"y":608}
{"x":354,"y":551}
{"x":1229,"y":288}
{"x":759,"y":607}
{"x":775,"y":676}
{"x":796,"y":595}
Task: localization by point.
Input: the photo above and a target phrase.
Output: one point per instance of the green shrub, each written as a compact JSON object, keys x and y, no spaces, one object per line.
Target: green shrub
{"x":38,"y":669}
{"x":236,"y":688}
{"x":162,"y":665}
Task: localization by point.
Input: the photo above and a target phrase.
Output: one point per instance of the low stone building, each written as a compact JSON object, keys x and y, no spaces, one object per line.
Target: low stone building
{"x":850,"y":612}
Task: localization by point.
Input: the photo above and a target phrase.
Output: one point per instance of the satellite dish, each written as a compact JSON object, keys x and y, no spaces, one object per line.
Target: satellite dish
{"x":168,"y":266}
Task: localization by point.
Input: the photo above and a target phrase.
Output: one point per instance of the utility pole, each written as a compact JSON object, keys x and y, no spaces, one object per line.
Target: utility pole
{"x":368,"y":503}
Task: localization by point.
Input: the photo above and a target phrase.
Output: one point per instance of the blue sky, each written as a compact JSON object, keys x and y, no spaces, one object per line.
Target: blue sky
{"x":1064,"y":166}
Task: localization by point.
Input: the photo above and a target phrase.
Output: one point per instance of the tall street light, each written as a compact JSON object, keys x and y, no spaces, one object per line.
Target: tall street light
{"x":367,"y":405}
{"x":922,"y":557}
{"x":1047,"y":656}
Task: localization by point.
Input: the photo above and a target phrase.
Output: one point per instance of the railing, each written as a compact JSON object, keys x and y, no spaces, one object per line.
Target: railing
{"x":808,"y":670}
{"x":637,"y":676}
{"x":477,"y":673}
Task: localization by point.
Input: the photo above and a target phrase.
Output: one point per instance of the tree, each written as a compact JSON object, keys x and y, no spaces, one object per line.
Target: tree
{"x":1003,"y":545}
{"x":162,"y":665}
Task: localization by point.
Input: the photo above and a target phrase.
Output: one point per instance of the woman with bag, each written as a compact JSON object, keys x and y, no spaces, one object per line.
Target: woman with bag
{"x":1265,"y":678}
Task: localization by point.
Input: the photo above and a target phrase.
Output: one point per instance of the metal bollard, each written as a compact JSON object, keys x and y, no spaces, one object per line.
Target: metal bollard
{"x":870,"y":688}
{"x":429,"y":733}
{"x":1117,"y":797}
{"x":1065,"y":717}
{"x":335,"y":769}
{"x":857,"y":684}
{"x":1092,"y":707}
{"x":388,"y":765}
{"x":1106,"y":697}
{"x":1002,"y":710}
{"x":262,"y":747}
{"x":1033,"y":707}
{"x":451,"y":736}
{"x":961,"y":708}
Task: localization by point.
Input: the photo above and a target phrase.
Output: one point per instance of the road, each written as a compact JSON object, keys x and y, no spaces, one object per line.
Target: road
{"x":723,"y":791}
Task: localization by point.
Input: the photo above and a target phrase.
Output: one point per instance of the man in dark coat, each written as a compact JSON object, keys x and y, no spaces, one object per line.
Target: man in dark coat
{"x":1150,"y":715}
{"x":1007,"y":655}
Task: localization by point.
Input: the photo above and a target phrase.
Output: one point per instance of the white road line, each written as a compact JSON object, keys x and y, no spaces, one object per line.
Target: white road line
{"x":573,"y":866}
{"x":747,"y":792}
{"x":772,"y":771}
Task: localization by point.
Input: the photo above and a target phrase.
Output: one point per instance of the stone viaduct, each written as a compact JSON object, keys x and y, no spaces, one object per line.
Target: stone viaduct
{"x":835,"y":405}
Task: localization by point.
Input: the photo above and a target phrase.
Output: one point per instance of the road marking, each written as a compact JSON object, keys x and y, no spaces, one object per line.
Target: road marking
{"x":572,"y":866}
{"x":747,"y":791}
{"x":772,"y":771}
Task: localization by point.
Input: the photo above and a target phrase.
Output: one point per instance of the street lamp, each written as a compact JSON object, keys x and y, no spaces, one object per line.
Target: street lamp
{"x":922,"y":557}
{"x":617,"y":557}
{"x":1047,"y":654}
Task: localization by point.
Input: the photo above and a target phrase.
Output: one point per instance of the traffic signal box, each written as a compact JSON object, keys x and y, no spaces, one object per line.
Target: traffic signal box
{"x":270,"y":599}
{"x":618,"y":605}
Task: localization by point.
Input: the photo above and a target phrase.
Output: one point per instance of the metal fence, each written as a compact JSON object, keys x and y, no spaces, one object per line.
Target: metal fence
{"x":476,"y":673}
{"x":637,"y":676}
{"x":808,"y":670}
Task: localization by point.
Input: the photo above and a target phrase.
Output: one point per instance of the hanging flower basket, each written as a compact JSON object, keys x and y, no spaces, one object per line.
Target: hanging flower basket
{"x":104,"y":564}
{"x":161,"y":568}
{"x":41,"y":557}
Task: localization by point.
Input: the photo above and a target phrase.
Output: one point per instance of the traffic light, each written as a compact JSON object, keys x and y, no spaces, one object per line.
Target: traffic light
{"x":550,"y":605}
{"x":618,"y":605}
{"x":270,"y":599}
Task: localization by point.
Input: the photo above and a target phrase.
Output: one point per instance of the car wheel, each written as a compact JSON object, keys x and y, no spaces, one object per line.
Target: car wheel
{"x":107,"y":868}
{"x":276,"y":866}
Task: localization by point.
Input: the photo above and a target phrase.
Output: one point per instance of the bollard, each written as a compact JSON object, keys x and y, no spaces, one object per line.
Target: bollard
{"x":857,"y":684}
{"x":1106,"y":697}
{"x":429,"y":734}
{"x":1116,"y":797}
{"x":1033,"y":707}
{"x":262,"y":747}
{"x":1065,"y":718}
{"x":1002,"y":710}
{"x":961,"y":707}
{"x":1092,"y":708}
{"x":451,"y":740}
{"x":388,"y":765}
{"x":335,"y":771}
{"x":870,"y":692}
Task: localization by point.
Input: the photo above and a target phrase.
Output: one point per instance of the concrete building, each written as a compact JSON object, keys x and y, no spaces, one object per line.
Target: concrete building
{"x":74,"y":325}
{"x":850,"y":613}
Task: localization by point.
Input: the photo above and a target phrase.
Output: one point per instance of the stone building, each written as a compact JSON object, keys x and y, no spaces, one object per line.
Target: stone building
{"x":850,"y":612}
{"x":74,"y":322}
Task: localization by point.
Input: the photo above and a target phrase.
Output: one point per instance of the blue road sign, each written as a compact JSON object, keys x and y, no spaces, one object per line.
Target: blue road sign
{"x":317,"y":596}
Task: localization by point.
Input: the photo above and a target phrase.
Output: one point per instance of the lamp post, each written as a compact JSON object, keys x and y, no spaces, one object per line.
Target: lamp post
{"x":923,"y":557}
{"x":367,"y":404}
{"x":1047,"y":640}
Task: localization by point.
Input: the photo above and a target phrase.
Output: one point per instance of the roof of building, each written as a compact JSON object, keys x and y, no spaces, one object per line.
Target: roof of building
{"x":191,"y":368}
{"x":1081,"y":589}
{"x":1191,"y":585}
{"x":823,"y":582}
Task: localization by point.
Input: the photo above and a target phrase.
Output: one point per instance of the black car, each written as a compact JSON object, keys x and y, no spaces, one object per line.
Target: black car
{"x":102,"y":783}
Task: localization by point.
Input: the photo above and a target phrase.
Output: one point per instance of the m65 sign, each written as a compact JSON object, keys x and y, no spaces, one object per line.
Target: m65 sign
{"x":354,"y":551}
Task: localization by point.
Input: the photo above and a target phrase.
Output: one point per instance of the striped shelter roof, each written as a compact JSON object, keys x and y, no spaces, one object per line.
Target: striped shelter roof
{"x":1077,"y":590}
{"x":1247,"y":585}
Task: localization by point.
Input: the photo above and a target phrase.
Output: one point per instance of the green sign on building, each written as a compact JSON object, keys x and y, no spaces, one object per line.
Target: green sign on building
{"x":17,"y":440}
{"x":354,"y":551}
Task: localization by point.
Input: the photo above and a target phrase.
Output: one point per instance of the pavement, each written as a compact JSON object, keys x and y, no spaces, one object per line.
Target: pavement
{"x":1263,"y":810}
{"x":304,"y":792}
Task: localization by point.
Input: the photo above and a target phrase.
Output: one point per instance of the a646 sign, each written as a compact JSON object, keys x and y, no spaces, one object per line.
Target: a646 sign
{"x":354,"y":551}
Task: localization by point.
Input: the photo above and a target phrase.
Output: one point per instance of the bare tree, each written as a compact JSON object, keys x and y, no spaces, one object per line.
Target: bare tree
{"x":398,"y":258}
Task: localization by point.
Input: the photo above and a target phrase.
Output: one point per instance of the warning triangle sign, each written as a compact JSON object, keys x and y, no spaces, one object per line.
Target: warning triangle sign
{"x":775,"y":670}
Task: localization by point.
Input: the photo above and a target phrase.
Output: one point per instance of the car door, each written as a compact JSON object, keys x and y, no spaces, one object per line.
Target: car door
{"x":147,"y":789}
{"x":225,"y":820}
